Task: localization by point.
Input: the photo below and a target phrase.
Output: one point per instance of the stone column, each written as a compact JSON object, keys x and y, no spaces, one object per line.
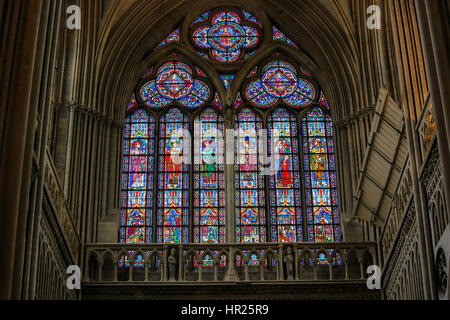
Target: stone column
{"x":19,"y":62}
{"x":434,"y":36}
{"x":230,"y":226}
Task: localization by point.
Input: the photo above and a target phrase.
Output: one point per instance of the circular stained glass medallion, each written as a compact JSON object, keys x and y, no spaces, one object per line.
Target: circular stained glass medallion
{"x":279,"y":82}
{"x":174,"y":83}
{"x":226,"y":36}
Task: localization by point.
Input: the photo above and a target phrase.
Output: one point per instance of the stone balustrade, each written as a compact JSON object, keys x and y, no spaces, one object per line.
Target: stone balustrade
{"x":193,"y":263}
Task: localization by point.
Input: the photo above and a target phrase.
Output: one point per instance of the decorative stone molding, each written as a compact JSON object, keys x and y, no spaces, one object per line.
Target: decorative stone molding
{"x":441,"y":272}
{"x":400,"y":254}
{"x":61,"y":210}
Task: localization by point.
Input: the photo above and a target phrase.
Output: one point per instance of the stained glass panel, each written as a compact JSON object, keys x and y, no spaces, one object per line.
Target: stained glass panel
{"x":174,"y":81}
{"x":209,"y":191}
{"x":137,"y":179}
{"x":249,"y":182}
{"x":285,"y":193}
{"x":279,"y":80}
{"x":320,"y":178}
{"x":173,"y":181}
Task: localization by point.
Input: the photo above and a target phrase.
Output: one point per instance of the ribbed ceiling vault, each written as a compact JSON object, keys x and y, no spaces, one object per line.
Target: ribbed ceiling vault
{"x":132,"y":29}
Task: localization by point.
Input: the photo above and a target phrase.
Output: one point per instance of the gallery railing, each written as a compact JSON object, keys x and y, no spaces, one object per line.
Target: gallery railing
{"x":110,"y":263}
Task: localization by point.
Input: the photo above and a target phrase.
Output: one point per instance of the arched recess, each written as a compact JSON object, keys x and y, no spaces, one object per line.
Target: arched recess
{"x":329,"y":57}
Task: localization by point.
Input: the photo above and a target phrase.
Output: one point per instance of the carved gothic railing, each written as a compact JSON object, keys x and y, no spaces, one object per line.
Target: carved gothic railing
{"x":113,"y":263}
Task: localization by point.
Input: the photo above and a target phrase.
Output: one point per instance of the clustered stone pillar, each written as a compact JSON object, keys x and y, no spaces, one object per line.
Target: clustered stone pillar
{"x":18,"y":50}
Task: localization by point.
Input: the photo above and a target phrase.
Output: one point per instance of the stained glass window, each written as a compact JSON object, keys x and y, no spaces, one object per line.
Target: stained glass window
{"x":173,"y":181}
{"x":137,"y":179}
{"x":209,"y":193}
{"x":227,"y":35}
{"x":279,"y":81}
{"x":285,"y":193}
{"x":249,"y":182}
{"x":320,"y":177}
{"x":174,"y":82}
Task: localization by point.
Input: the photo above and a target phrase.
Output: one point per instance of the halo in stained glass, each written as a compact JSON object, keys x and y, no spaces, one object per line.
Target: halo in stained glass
{"x":279,"y":81}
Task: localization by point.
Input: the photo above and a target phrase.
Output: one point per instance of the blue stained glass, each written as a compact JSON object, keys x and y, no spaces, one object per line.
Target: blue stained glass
{"x":278,"y":35}
{"x":199,"y":95}
{"x":250,"y":17}
{"x":202,"y":18}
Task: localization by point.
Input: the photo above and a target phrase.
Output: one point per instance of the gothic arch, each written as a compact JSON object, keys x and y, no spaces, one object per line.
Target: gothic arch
{"x":128,"y":40}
